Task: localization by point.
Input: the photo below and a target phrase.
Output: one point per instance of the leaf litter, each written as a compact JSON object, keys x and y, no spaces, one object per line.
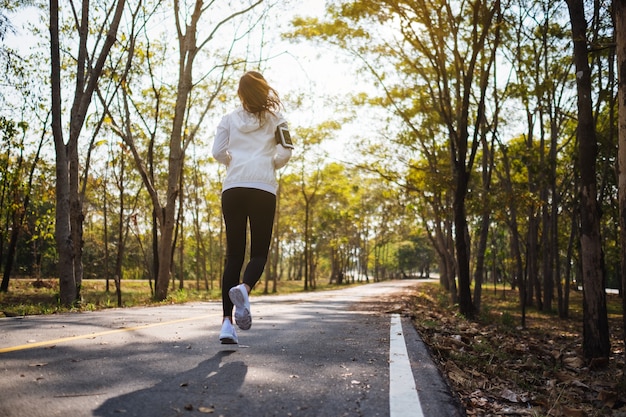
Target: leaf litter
{"x":499,"y":369}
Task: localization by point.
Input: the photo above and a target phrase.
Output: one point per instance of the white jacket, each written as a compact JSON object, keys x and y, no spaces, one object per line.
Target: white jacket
{"x":248,"y":149}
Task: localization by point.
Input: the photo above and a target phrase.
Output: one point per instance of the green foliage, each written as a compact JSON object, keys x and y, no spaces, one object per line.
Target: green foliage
{"x":338,"y":31}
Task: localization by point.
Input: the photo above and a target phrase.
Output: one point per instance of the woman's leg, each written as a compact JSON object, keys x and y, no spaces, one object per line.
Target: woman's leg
{"x":262,"y":206}
{"x":235,"y":218}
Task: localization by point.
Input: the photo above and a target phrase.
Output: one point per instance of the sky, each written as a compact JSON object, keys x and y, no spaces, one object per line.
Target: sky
{"x":319,"y":73}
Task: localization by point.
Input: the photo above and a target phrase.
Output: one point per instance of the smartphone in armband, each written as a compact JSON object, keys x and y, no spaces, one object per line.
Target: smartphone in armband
{"x":283,"y":137}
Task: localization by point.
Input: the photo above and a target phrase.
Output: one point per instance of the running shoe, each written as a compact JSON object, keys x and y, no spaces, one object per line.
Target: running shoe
{"x":228,"y":335}
{"x":239,"y":296}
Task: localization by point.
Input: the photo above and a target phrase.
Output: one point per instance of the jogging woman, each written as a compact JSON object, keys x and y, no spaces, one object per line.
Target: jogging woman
{"x":246,"y":143}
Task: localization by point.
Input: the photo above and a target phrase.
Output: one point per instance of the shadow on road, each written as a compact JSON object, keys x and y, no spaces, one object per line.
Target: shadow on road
{"x":193,"y":390}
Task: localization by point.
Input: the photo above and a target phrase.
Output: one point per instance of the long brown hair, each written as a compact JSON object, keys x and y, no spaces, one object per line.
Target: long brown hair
{"x":257,"y":97}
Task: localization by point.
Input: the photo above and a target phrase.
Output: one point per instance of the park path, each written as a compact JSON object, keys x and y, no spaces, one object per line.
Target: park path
{"x":332,"y":353}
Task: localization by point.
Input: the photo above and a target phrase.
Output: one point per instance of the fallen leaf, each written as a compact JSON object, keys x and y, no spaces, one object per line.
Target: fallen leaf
{"x":573,"y":362}
{"x":580,"y":384}
{"x":573,"y":412}
{"x":206,"y":410}
{"x":609,"y":398}
{"x":507,"y":394}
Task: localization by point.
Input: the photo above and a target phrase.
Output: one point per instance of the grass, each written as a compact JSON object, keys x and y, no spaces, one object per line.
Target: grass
{"x":32,"y":297}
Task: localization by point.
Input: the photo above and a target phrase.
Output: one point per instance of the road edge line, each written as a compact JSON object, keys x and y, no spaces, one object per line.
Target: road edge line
{"x":403,"y":397}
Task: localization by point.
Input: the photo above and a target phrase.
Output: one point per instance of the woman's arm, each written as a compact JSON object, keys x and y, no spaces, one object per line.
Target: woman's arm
{"x":282,"y":156}
{"x":220,"y":144}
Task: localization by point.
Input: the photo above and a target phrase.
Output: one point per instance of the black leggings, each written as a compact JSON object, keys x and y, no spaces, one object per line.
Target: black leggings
{"x":239,"y":205}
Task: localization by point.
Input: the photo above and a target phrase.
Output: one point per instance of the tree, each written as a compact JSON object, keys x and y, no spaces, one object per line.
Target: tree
{"x":620,"y":38}
{"x":183,"y":129}
{"x":69,"y":216}
{"x":444,"y":56}
{"x":18,"y":193}
{"x":595,"y":320}
{"x":309,"y":184}
{"x":541,"y":85}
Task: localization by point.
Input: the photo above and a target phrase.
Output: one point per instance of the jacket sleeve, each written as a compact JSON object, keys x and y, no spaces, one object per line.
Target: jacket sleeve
{"x":282,"y":156}
{"x":220,"y":144}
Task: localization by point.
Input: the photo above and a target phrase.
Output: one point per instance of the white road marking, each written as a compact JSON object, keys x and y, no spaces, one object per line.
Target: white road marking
{"x":403,"y":398}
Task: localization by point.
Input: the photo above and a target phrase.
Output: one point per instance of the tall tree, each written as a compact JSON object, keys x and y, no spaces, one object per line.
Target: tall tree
{"x":620,"y":39}
{"x":183,"y":129}
{"x":596,"y":342}
{"x":443,"y":54}
{"x":69,"y":215}
{"x":310,"y":184}
{"x":189,"y":48}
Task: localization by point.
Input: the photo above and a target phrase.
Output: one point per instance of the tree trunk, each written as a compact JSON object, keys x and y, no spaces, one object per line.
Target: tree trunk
{"x":121,"y":240}
{"x":188,"y":51}
{"x":564,"y":308}
{"x":620,"y":37}
{"x":479,"y":271}
{"x":307,"y":244}
{"x":461,"y":240}
{"x":487,"y":168}
{"x":65,"y":246}
{"x":595,"y":321}
{"x":69,"y":216}
{"x":518,"y":280}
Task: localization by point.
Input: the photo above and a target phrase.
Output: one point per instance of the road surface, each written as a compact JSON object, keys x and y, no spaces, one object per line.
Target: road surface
{"x":346,"y":352}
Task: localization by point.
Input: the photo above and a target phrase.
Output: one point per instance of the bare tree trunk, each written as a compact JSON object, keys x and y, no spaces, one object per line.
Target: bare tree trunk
{"x":451,"y":274}
{"x":461,"y":238}
{"x":620,"y":37}
{"x":188,"y":50}
{"x":441,"y":238}
{"x":564,"y":308}
{"x":307,"y":245}
{"x":105,"y":221}
{"x":518,"y":280}
{"x":596,"y":342}
{"x":121,"y":240}
{"x":65,"y":246}
{"x":487,"y":168}
{"x":69,"y":216}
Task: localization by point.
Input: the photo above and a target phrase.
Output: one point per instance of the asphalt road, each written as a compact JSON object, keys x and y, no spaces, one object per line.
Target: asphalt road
{"x":326,"y":354}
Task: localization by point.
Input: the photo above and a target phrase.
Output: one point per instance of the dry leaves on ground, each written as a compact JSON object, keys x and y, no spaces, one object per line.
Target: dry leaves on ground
{"x":503,"y":370}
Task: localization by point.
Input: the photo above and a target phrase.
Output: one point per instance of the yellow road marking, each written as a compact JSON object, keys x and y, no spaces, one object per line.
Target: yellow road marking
{"x":94,"y":335}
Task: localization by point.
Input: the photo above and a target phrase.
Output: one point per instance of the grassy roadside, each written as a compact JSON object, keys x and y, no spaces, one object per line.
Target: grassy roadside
{"x":31,"y":297}
{"x":498,"y":368}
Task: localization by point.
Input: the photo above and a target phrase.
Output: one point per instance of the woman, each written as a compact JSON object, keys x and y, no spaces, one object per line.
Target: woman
{"x":245,"y":142}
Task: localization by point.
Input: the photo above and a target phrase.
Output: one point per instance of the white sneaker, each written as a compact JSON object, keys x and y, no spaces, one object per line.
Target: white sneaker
{"x":239,"y":296}
{"x":228,"y":335}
